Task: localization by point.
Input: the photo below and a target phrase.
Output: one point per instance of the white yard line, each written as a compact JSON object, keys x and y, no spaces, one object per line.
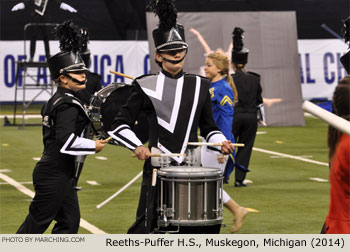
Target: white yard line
{"x":20,"y":116}
{"x":120,"y":190}
{"x":26,"y":191}
{"x":319,"y":179}
{"x":5,"y":170}
{"x":303,"y":156}
{"x":22,"y":183}
{"x":290,"y":156}
{"x":92,"y":182}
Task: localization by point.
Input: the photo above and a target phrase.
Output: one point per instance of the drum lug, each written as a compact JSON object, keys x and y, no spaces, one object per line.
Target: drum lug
{"x":169,"y":212}
{"x":205,"y":216}
{"x":166,"y":213}
{"x":218,"y":212}
{"x":165,"y":217}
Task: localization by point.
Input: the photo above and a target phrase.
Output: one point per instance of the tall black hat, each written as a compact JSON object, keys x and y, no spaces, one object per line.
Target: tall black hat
{"x":69,"y":59}
{"x":345,"y":59}
{"x":239,"y":53}
{"x":169,"y":35}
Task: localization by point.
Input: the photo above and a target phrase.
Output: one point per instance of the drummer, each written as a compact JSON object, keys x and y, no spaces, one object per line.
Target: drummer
{"x":177,"y":104}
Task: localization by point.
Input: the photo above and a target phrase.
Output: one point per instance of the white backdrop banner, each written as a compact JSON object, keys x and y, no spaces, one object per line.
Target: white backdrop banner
{"x":319,"y":65}
{"x":129,"y":57}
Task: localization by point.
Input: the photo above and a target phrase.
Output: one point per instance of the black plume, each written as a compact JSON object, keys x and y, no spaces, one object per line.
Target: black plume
{"x":346,"y":30}
{"x":84,"y":33}
{"x":166,"y":11}
{"x":237,"y":37}
{"x":69,"y":36}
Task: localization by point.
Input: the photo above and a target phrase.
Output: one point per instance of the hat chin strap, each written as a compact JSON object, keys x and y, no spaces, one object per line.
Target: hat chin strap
{"x":173,"y":61}
{"x":74,"y":79}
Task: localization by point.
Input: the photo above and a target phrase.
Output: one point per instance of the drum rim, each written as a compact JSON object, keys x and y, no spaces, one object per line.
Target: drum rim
{"x":189,"y":171}
{"x":95,"y":108}
{"x":111,"y":87}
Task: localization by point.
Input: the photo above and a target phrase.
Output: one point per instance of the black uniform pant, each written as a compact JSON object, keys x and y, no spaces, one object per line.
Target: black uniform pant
{"x":244,"y":130}
{"x":36,"y":33}
{"x":146,"y":216}
{"x":55,"y":199}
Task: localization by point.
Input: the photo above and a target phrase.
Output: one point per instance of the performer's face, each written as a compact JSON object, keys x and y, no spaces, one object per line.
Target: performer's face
{"x":211,"y":70}
{"x":72,"y":85}
{"x":172,"y":55}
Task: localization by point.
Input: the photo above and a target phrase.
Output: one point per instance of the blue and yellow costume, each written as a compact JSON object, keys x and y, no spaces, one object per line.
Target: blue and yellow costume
{"x":222,"y":98}
{"x":221,"y":95}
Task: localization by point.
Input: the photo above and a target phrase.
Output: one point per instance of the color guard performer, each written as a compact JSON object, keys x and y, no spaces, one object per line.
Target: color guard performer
{"x":223,"y":94}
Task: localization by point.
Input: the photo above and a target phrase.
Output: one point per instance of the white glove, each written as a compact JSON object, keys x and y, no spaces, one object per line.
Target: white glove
{"x":67,"y":7}
{"x":17,"y":7}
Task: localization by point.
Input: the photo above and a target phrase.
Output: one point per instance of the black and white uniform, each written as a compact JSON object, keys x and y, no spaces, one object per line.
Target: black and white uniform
{"x":64,"y":122}
{"x":245,"y":121}
{"x":176,"y":107}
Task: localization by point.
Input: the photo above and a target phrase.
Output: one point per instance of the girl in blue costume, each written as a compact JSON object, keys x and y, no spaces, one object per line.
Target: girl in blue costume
{"x":223,"y":96}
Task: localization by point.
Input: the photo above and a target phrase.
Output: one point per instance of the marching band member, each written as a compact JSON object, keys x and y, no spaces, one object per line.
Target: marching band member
{"x":64,"y":123}
{"x":39,"y":14}
{"x":250,"y":102}
{"x":177,"y":104}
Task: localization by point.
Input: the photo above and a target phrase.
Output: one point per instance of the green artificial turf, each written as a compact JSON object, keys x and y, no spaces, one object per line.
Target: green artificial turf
{"x":286,"y":199}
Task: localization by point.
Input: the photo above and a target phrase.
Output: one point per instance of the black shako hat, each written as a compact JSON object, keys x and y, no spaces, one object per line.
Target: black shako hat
{"x":239,"y":53}
{"x":169,"y":35}
{"x":69,"y":59}
{"x":65,"y":62}
{"x":345,"y":59}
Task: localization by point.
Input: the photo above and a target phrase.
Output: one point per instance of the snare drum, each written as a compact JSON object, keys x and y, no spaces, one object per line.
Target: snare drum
{"x":190,"y":196}
{"x":105,"y":105}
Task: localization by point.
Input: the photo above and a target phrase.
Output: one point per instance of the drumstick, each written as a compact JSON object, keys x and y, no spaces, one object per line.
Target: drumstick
{"x":108,"y":138}
{"x":154,"y":177}
{"x":163,"y":155}
{"x":214,"y":144}
{"x":121,"y":74}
